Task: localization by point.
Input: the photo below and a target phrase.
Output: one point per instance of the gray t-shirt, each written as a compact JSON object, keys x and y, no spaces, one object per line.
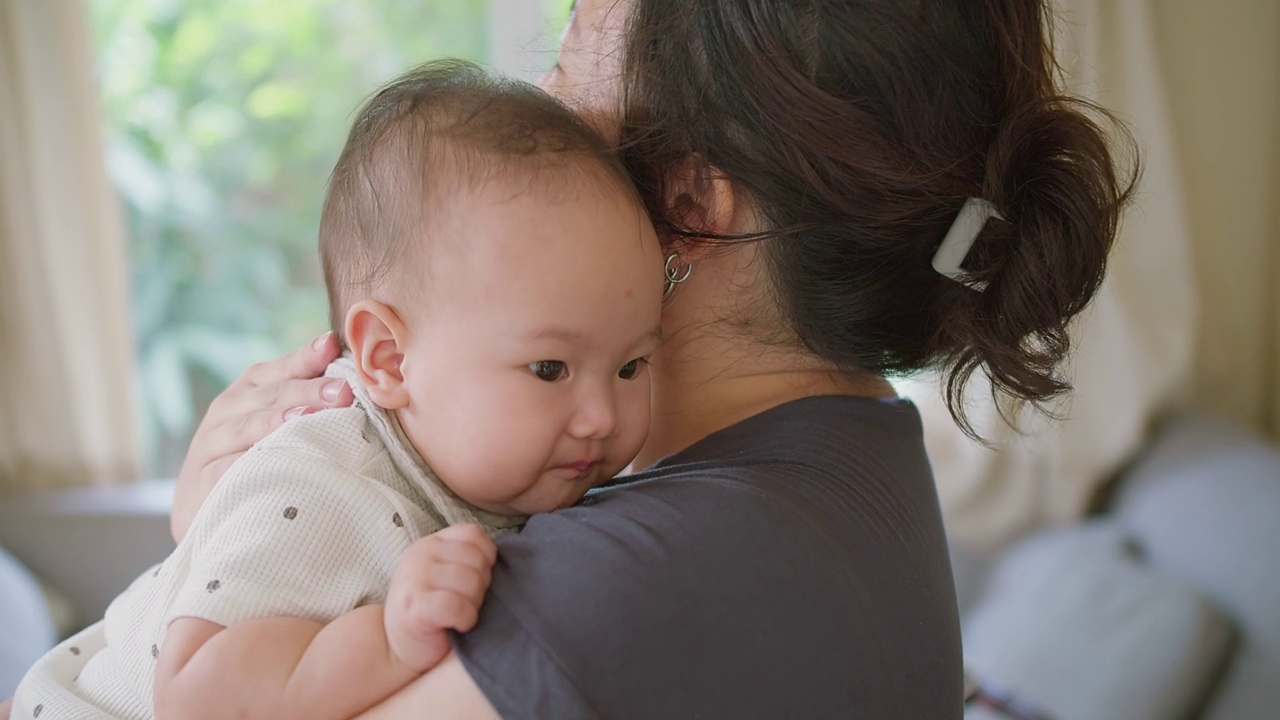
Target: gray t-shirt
{"x":792,"y":565}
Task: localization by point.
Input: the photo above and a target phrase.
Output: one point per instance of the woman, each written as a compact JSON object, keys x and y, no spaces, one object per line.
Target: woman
{"x":847,"y":189}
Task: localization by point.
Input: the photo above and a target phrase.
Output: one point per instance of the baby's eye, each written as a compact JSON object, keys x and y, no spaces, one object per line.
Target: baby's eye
{"x":549,"y":370}
{"x":631,"y":369}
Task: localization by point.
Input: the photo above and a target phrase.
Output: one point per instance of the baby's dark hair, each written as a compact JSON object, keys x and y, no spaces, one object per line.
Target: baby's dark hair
{"x":440,"y":128}
{"x":859,"y":128}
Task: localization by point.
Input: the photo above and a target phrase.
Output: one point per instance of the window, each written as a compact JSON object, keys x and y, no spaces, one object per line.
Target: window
{"x":223,"y":120}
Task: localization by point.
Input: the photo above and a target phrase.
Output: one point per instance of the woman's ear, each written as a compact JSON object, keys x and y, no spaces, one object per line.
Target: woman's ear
{"x":703,"y":199}
{"x":376,"y":337}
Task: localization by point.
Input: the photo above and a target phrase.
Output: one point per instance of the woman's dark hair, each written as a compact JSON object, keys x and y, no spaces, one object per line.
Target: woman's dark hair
{"x":859,"y":128}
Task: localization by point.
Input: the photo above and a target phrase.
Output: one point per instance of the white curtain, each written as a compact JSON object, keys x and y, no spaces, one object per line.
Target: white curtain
{"x":66,"y":416}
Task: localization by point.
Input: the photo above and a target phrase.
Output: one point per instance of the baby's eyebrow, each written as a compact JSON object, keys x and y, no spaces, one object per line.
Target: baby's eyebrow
{"x":554,"y":332}
{"x":654,"y":335}
{"x":569,"y":335}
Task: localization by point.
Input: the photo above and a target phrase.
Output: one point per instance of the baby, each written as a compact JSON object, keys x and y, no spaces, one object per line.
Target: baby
{"x":497,"y":285}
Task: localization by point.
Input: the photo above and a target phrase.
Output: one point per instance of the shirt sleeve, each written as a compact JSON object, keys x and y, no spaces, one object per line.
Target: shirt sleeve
{"x":290,"y":533}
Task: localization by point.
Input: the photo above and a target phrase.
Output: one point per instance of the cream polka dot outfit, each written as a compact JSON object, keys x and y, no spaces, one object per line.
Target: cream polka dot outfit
{"x":309,"y":523}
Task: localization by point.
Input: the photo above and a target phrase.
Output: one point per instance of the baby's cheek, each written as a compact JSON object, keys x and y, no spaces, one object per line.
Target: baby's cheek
{"x":633,"y":424}
{"x":452,"y":444}
{"x":500,"y":457}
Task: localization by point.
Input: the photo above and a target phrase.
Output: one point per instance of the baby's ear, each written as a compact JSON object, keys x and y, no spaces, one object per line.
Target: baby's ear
{"x":375,"y":335}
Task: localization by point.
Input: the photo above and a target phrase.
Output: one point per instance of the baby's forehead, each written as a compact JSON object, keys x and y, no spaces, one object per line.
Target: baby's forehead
{"x":519,"y":198}
{"x":530,"y":233}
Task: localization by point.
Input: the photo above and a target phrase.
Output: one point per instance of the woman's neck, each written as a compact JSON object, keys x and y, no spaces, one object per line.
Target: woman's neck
{"x":703,"y":383}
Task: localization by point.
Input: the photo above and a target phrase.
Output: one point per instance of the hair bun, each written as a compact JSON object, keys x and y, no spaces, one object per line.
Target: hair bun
{"x":1050,"y":172}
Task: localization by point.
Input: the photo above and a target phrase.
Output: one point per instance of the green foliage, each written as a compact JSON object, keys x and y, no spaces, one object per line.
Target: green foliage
{"x":224,"y":118}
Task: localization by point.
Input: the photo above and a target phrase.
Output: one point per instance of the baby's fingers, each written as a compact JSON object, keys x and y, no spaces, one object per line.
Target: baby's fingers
{"x":468,"y":535}
{"x":464,"y":580}
{"x":445,"y":609}
{"x":451,"y":553}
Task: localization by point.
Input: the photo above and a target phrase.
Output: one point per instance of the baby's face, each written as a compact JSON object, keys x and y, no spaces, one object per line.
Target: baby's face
{"x":526,"y":366}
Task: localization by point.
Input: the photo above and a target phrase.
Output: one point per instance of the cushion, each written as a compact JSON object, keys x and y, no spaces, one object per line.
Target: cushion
{"x":1075,"y":627}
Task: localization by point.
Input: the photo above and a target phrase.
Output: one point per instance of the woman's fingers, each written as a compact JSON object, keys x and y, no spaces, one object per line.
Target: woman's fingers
{"x":252,"y":418}
{"x":302,"y":364}
{"x":259,"y":401}
{"x":291,"y":398}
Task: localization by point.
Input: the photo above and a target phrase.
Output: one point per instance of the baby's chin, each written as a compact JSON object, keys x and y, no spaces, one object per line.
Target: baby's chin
{"x":546,"y":504}
{"x":526,"y":505}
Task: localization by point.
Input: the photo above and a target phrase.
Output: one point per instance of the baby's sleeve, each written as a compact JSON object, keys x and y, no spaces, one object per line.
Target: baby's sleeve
{"x":290,"y":533}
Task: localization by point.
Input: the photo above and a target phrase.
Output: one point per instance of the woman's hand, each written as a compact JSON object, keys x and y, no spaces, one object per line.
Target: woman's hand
{"x":439,"y":584}
{"x":259,"y":401}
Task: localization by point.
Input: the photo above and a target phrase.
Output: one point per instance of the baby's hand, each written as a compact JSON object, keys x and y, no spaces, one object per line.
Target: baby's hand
{"x":439,"y":584}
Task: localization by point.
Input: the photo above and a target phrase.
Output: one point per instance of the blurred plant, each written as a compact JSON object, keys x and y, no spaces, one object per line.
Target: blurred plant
{"x":224,"y":118}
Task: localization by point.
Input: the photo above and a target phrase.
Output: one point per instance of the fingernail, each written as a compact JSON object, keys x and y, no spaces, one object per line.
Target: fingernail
{"x":299,"y":411}
{"x":319,"y":342}
{"x":331,"y":391}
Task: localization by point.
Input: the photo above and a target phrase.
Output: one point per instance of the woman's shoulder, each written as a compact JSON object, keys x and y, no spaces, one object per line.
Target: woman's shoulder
{"x":798,"y":556}
{"x":838,"y":483}
{"x":834,"y":467}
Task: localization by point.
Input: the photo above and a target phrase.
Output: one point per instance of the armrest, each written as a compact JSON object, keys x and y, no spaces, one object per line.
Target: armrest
{"x":89,"y":543}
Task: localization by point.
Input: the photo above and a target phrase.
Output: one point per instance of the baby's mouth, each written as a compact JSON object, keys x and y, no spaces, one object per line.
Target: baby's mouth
{"x":581,"y":466}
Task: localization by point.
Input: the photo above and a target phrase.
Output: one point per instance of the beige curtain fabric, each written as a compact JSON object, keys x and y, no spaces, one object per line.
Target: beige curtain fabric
{"x":66,"y":416}
{"x":1223,"y":63}
{"x":1189,"y":313}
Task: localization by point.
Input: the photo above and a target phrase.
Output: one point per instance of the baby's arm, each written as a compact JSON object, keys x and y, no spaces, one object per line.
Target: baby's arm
{"x":276,"y":667}
{"x":291,"y":667}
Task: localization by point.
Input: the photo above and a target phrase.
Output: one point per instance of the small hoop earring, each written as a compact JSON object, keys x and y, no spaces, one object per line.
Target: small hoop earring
{"x":674,"y":275}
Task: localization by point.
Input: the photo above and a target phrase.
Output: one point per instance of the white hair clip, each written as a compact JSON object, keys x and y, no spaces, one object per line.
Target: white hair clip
{"x":955,"y":247}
